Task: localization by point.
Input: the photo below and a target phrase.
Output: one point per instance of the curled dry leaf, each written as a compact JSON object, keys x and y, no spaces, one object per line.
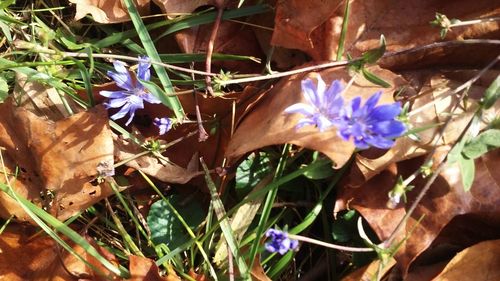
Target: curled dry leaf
{"x":144,"y":269}
{"x":431,"y":106}
{"x":445,"y":200}
{"x":314,"y":26}
{"x":109,"y":11}
{"x":267,"y":124}
{"x":479,"y":262}
{"x":57,"y":159}
{"x":42,"y":259}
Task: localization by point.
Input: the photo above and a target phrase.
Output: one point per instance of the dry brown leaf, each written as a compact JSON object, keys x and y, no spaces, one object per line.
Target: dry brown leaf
{"x":144,"y":269}
{"x":445,"y":200}
{"x":268,"y":125}
{"x":232,"y":38}
{"x":159,"y":168}
{"x":174,"y":7}
{"x":109,"y":11}
{"x":41,"y":259}
{"x":60,"y":159}
{"x":433,"y":107}
{"x":479,"y":262}
{"x":295,"y":22}
{"x":317,"y":32}
{"x":366,"y":273}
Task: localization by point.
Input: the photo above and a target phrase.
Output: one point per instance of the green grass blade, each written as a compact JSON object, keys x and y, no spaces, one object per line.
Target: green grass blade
{"x":224,"y":223}
{"x":171,"y":101}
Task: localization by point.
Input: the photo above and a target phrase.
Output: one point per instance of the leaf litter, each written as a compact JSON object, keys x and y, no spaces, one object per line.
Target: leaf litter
{"x":50,"y":161}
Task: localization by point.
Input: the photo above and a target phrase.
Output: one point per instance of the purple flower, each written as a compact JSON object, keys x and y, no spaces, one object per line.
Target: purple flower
{"x":164,"y":124}
{"x":280,"y":242}
{"x":323,"y":105}
{"x":133,"y":94}
{"x":371,"y":125}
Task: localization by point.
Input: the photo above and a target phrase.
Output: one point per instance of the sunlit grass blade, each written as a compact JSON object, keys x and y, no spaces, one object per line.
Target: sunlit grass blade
{"x":224,"y":223}
{"x":171,"y":101}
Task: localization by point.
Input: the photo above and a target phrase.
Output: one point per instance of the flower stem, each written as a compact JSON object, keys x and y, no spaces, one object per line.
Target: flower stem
{"x":328,"y":245}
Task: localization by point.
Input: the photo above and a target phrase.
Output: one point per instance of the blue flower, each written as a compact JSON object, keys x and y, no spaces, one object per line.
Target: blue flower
{"x":323,"y":105}
{"x":134,"y":94}
{"x":371,"y":125}
{"x":280,"y":242}
{"x":164,"y":124}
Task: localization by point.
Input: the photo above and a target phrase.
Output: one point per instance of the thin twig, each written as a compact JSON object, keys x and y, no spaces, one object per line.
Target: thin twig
{"x":202,"y":134}
{"x":219,"y":4}
{"x":441,"y":166}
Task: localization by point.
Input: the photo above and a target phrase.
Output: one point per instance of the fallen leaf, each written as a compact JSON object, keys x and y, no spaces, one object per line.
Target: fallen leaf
{"x":144,"y":269}
{"x":109,"y":11}
{"x":160,"y":168}
{"x":432,"y":106}
{"x":295,"y":22}
{"x":59,"y":159}
{"x":479,"y":262}
{"x":179,"y":7}
{"x":314,"y":26}
{"x":232,"y":38}
{"x":367,"y":272}
{"x":445,"y":200}
{"x":267,"y":125}
{"x":41,"y":259}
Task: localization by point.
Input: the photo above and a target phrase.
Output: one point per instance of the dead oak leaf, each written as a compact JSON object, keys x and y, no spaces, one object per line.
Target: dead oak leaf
{"x":56,"y":159}
{"x":267,"y":124}
{"x":445,"y":200}
{"x":479,"y":262}
{"x":405,"y":24}
{"x":431,"y":106}
{"x":109,"y":11}
{"x":42,"y":259}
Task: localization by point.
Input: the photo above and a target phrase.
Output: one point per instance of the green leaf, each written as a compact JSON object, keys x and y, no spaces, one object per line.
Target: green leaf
{"x":481,"y":144}
{"x":320,"y":173}
{"x":164,"y":225}
{"x":467,"y":169}
{"x":492,"y":94}
{"x":344,"y":227}
{"x":6,"y":3}
{"x":372,"y":56}
{"x":4,"y":89}
{"x":251,"y":171}
{"x":374,"y":78}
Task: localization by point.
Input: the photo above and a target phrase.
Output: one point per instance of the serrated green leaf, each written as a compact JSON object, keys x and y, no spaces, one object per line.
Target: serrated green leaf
{"x":374,"y":78}
{"x":492,"y":94}
{"x":467,"y":170}
{"x":372,"y":56}
{"x":481,"y":144}
{"x":164,"y":225}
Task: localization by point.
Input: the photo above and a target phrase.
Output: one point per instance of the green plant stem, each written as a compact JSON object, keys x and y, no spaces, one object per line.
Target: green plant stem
{"x":268,"y":204}
{"x":329,"y":245}
{"x":345,"y":23}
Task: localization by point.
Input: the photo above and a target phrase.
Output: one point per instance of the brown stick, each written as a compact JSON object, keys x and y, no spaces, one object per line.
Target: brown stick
{"x":219,"y":4}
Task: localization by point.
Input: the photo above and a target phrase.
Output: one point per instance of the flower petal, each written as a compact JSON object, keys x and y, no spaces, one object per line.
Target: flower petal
{"x":122,"y":80}
{"x":320,"y":92}
{"x":389,"y":129}
{"x":143,"y":71}
{"x":334,"y":90}
{"x":385,"y":112}
{"x":150,"y":98}
{"x":372,"y":101}
{"x":123,"y":111}
{"x":301,"y":108}
{"x":115,"y":103}
{"x":309,"y":92}
{"x":113,"y":94}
